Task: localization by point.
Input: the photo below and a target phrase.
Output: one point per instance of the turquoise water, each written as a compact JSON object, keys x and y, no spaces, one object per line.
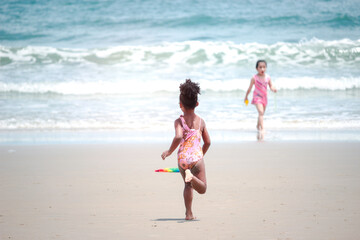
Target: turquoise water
{"x":117,"y":65}
{"x":92,"y":24}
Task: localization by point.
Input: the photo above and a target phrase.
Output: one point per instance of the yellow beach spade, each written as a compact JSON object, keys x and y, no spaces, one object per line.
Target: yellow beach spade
{"x":246,"y":102}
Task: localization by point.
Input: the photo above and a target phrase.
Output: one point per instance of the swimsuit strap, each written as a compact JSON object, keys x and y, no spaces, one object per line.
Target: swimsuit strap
{"x":200,"y":125}
{"x":185,"y":126}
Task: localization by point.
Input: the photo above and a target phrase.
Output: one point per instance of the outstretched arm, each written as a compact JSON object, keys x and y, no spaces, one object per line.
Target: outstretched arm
{"x":206,"y":138}
{"x":252,"y":82}
{"x":176,"y":141}
{"x":272,"y":87}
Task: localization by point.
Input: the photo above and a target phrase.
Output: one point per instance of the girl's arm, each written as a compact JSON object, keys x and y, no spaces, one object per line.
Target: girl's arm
{"x":272,"y":88}
{"x":252,"y":82}
{"x":206,"y":138}
{"x":176,"y":141}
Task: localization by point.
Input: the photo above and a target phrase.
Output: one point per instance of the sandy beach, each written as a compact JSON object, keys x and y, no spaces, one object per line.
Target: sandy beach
{"x":90,"y":90}
{"x":257,"y":190}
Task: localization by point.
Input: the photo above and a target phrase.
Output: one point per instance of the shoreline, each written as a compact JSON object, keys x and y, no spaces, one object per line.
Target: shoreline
{"x":116,"y":136}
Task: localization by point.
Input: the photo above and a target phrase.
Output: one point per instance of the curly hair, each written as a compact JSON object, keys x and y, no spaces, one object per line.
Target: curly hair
{"x":189,"y":94}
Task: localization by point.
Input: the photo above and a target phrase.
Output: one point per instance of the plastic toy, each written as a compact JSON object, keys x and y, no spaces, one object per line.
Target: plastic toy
{"x":167,"y":170}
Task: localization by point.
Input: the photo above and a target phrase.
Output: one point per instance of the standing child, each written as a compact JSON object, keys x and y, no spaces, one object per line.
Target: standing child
{"x":189,"y":129}
{"x":260,"y":80}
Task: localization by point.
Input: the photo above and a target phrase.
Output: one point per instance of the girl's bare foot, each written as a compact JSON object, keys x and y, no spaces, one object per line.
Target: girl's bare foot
{"x":188,"y":175}
{"x":260,"y":136}
{"x":189,"y":216}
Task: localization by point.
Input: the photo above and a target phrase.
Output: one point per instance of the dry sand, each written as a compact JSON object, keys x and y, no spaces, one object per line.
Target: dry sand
{"x":265,"y":190}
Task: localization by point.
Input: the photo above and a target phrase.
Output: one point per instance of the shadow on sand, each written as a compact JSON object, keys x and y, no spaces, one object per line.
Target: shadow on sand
{"x":178,"y":220}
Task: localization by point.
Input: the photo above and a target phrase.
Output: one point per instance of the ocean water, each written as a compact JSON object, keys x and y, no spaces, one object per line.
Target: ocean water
{"x":97,"y":68}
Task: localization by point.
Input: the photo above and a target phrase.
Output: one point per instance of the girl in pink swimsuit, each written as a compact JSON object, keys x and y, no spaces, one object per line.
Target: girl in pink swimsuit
{"x":261,"y":80}
{"x":189,"y":129}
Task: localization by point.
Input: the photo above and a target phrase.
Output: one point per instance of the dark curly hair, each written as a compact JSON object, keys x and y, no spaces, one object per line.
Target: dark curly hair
{"x":189,"y":94}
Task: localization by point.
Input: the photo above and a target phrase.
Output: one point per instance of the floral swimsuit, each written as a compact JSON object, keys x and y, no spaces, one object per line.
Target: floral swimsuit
{"x":190,"y":151}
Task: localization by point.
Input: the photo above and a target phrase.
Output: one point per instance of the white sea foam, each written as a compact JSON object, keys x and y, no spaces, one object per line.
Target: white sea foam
{"x":138,"y":86}
{"x":303,"y":53}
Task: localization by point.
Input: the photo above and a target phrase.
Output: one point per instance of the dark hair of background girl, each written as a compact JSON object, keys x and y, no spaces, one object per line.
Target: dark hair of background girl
{"x":259,"y":61}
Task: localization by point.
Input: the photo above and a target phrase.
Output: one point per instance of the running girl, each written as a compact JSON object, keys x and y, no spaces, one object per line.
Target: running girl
{"x":189,"y":129}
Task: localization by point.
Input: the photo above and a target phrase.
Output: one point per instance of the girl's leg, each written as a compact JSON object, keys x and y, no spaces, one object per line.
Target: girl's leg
{"x":188,"y":197}
{"x":198,"y":181}
{"x":261,"y":111}
{"x":263,"y":117}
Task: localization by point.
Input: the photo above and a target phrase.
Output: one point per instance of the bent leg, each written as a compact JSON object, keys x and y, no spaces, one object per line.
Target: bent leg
{"x":198,"y":181}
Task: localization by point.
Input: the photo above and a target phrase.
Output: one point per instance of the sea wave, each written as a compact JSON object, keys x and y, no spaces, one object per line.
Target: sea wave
{"x":313,"y":52}
{"x":136,"y":86}
{"x":342,"y":20}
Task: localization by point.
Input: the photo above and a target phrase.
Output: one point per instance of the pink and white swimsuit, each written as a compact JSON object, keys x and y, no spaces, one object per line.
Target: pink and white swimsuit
{"x":260,"y":92}
{"x":190,"y":150}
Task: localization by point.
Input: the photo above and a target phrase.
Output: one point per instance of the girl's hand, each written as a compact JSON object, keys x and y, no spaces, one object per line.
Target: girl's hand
{"x":246,"y":101}
{"x":274,"y":90}
{"x":165,"y":154}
